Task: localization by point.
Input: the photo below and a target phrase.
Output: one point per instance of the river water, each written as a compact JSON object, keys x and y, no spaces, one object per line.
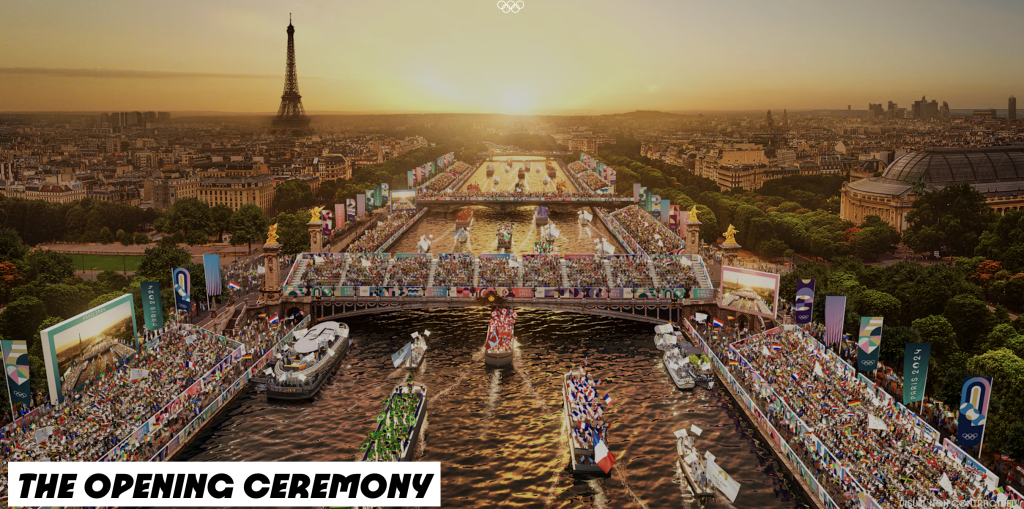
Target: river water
{"x":499,"y":434}
{"x":574,"y":239}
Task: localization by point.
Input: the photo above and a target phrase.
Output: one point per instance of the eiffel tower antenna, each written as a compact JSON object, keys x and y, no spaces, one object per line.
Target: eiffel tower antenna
{"x":291,"y":116}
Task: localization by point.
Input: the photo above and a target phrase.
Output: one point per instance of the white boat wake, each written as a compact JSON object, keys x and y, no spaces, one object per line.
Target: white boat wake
{"x":492,"y":401}
{"x":421,"y":444}
{"x":561,"y":443}
{"x":600,"y":498}
{"x":525,"y":375}
{"x":477,"y":357}
{"x":623,"y":475}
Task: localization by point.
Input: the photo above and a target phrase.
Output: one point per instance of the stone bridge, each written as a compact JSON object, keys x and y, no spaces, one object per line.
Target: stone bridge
{"x":504,"y":204}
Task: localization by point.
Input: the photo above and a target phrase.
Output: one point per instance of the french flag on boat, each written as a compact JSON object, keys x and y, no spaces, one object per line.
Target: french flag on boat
{"x":603,"y":457}
{"x":717,"y":323}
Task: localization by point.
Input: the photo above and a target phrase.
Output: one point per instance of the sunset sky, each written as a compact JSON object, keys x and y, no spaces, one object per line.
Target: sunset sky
{"x":596,"y":56}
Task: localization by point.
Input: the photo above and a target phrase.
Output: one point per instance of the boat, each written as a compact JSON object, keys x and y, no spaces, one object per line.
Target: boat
{"x":583,"y":217}
{"x":499,"y":348}
{"x":551,"y":171}
{"x":679,"y":368}
{"x":549,"y":233}
{"x":310,"y":360}
{"x":541,"y":216}
{"x":692,"y":465}
{"x":423,"y":246}
{"x":579,"y":454}
{"x":496,"y":180}
{"x":664,"y":336}
{"x":602,"y":247}
{"x":462,"y":235}
{"x":536,"y":169}
{"x":522,"y":173}
{"x":464,"y":218}
{"x":504,"y":235}
{"x":404,"y":412}
{"x":419,"y":350}
{"x":490,"y":170}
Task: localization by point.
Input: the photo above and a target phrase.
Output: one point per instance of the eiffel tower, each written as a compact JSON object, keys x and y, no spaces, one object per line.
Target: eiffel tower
{"x":291,"y":118}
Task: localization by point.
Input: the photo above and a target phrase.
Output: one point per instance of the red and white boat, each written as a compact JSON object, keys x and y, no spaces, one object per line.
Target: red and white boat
{"x":500,"y":346}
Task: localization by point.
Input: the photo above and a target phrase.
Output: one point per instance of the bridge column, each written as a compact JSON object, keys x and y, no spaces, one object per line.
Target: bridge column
{"x":315,"y":236}
{"x":270,"y":291}
{"x":692,"y":235}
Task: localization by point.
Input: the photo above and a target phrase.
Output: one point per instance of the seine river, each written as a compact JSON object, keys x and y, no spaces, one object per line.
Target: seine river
{"x":499,"y":434}
{"x":574,"y":239}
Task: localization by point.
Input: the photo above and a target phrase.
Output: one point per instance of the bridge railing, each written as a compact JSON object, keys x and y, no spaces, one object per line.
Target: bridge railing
{"x":465,"y":292}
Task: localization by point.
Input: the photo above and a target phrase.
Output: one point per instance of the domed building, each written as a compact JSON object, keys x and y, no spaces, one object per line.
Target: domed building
{"x":996,"y":172}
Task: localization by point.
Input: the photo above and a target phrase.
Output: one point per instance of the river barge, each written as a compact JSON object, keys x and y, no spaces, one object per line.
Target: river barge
{"x":398,"y":427}
{"x":692,"y":465}
{"x":679,"y":368}
{"x":540,"y":217}
{"x":580,"y":456}
{"x":464,"y":218}
{"x":307,"y":362}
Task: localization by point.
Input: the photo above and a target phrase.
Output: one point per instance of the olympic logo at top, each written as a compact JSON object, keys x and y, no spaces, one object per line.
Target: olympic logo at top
{"x":508,"y":6}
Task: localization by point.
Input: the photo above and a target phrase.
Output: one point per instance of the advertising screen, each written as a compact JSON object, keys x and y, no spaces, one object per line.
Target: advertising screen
{"x":77,"y":349}
{"x":750,"y":291}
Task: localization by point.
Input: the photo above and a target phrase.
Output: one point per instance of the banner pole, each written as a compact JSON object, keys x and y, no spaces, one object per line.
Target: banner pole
{"x":14,"y":416}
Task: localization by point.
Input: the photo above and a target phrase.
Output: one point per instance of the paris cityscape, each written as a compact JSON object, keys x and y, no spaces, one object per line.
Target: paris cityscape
{"x":599,"y":271}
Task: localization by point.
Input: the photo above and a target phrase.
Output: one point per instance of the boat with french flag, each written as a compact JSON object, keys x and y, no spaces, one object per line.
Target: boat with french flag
{"x":499,"y":349}
{"x":585,"y":425}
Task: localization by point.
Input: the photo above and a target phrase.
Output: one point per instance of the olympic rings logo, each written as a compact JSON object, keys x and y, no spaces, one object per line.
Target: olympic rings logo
{"x":969,"y":436}
{"x":508,"y":6}
{"x":867,"y":362}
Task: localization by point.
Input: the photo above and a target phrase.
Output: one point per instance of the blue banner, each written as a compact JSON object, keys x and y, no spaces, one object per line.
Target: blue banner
{"x":974,"y":397}
{"x":211,"y":264}
{"x":182,"y":289}
{"x":915,"y":371}
{"x":803,"y":304}
{"x":152,"y":310}
{"x":835,"y":315}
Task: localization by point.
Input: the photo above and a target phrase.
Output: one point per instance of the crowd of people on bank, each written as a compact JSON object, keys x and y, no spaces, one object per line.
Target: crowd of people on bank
{"x":374,"y":239}
{"x":542,"y":270}
{"x":498,"y":272}
{"x":594,"y":182}
{"x":323,"y":270}
{"x":454,"y":269}
{"x":629,"y":272}
{"x":673,"y":272}
{"x":111,"y":406}
{"x":440,"y":182}
{"x":366,"y":269}
{"x":896,"y":466}
{"x":586,"y":272}
{"x":652,"y":235}
{"x":413,"y":271}
{"x":578,"y":167}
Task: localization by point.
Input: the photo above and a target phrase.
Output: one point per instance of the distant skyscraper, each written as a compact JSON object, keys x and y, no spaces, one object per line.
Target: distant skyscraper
{"x":785,"y":120}
{"x":876,"y":110}
{"x":291,"y":117}
{"x":1011,"y":110}
{"x":769,"y":122}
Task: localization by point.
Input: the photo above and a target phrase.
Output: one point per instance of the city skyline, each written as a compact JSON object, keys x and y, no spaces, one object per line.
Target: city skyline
{"x":468,"y":57}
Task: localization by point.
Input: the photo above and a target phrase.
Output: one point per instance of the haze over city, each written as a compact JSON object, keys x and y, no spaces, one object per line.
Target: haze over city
{"x":469,"y":57}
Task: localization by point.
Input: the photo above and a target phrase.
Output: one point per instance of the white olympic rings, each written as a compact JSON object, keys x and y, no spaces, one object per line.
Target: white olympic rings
{"x":508,"y":6}
{"x":969,"y":436}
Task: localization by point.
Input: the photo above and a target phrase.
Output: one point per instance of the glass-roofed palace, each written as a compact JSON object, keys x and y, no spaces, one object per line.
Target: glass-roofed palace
{"x":997,"y":172}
